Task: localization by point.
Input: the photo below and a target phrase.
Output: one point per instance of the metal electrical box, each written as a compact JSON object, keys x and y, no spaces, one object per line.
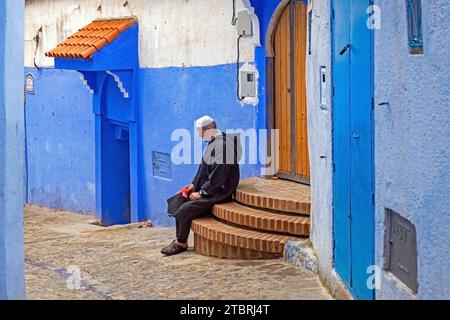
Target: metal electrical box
{"x":402,"y":249}
{"x":244,"y":24}
{"x":247,"y":84}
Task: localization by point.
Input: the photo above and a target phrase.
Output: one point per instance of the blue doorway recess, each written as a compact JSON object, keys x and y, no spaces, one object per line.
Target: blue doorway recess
{"x":353,"y":160}
{"x":111,"y":75}
{"x":113,"y":157}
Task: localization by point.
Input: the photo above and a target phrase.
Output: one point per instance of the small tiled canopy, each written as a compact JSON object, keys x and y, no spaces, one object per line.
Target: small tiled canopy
{"x":90,"y":39}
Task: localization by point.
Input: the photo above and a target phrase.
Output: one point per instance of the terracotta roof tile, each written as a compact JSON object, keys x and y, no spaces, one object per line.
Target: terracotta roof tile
{"x":91,"y":38}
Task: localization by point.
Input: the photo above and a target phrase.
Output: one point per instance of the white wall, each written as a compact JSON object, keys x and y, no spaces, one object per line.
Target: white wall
{"x":181,"y":33}
{"x":412,"y":142}
{"x":320,"y":144}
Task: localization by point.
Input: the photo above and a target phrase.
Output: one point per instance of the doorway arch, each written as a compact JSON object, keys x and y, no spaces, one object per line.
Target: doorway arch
{"x":276,"y":15}
{"x":287,"y":43}
{"x":113,"y":156}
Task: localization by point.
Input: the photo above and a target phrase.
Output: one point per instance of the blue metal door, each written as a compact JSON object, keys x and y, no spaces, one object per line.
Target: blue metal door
{"x":115,"y":170}
{"x":353,"y":145}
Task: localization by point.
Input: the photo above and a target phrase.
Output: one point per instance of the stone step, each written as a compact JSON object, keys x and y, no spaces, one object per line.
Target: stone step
{"x":211,"y":248}
{"x":275,"y":194}
{"x":214,"y":238}
{"x":238,"y":214}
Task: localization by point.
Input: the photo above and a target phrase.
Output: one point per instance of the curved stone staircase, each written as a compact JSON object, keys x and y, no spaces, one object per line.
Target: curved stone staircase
{"x":264,"y":216}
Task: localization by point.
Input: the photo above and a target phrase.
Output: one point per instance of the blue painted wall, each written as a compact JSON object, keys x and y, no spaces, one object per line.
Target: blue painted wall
{"x":12,"y":280}
{"x":60,"y":129}
{"x":60,"y":132}
{"x":60,"y":142}
{"x":412,"y":150}
{"x":173,"y":98}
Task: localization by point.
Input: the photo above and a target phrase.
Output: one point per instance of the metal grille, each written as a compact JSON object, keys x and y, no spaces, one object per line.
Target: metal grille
{"x":402,"y":249}
{"x":162,"y":165}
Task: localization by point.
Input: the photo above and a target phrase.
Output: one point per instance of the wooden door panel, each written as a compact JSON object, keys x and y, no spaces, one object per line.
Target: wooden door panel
{"x":291,"y":122}
{"x":282,"y":88}
{"x":301,"y":132}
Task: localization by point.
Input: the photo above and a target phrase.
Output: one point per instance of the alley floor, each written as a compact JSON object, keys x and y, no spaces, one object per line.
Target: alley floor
{"x":69,"y":257}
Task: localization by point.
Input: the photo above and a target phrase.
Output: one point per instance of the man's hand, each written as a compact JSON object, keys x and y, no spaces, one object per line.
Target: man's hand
{"x":190,"y":187}
{"x":195,"y":196}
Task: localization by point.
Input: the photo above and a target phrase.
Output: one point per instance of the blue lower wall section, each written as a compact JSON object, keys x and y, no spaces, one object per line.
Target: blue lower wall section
{"x":60,"y":132}
{"x":60,"y":142}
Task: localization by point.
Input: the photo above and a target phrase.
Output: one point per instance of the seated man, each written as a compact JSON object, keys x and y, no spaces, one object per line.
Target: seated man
{"x":216,"y":180}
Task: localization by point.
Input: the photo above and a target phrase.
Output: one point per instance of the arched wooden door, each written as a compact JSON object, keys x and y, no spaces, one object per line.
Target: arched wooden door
{"x":290,"y":92}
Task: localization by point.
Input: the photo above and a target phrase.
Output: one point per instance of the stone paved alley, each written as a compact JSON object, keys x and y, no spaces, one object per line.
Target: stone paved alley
{"x":125,"y":263}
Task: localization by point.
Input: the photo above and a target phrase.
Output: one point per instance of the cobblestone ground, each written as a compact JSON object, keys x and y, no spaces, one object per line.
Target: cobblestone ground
{"x":125,"y":263}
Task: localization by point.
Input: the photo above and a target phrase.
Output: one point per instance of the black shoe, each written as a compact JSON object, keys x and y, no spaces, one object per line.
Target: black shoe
{"x":173,"y":249}
{"x":165,"y":249}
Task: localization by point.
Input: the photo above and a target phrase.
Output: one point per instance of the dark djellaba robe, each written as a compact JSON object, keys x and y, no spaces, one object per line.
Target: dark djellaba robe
{"x":217,"y":175}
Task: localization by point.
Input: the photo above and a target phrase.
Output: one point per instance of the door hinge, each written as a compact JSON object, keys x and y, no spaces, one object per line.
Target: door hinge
{"x":332,"y":14}
{"x":373,"y":198}
{"x":373,"y":103}
{"x":334,"y":167}
{"x":333,"y":90}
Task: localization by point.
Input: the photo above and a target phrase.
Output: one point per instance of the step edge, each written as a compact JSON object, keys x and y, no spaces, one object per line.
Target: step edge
{"x":234,"y":218}
{"x":274,"y":244}
{"x":264,"y":203}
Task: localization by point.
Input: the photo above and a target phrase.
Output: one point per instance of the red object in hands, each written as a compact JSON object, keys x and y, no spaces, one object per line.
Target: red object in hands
{"x":184,"y":192}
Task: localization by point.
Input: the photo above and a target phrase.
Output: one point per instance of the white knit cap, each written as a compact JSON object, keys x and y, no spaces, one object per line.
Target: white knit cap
{"x":203,"y":122}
